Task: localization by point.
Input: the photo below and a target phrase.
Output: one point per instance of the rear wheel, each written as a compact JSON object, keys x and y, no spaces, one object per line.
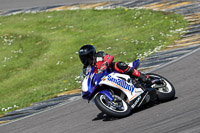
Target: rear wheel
{"x":116,"y":108}
{"x":167,"y":91}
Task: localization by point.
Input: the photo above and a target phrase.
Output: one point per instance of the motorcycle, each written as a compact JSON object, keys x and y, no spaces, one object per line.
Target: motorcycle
{"x":116,"y":94}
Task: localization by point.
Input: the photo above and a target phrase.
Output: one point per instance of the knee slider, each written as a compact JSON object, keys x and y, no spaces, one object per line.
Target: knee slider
{"x":122,"y":65}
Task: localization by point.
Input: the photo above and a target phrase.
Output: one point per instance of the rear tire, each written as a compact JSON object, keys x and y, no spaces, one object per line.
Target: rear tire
{"x":105,"y":106}
{"x":166,"y":93}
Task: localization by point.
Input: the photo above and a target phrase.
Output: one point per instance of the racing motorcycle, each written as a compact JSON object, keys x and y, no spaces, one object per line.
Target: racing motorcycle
{"x":116,"y":94}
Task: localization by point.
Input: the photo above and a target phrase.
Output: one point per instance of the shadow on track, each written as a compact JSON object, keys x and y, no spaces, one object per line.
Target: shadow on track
{"x":104,"y":117}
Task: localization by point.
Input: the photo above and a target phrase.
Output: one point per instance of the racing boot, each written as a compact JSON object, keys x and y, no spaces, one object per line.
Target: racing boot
{"x":124,"y":68}
{"x":143,"y":78}
{"x":135,"y":73}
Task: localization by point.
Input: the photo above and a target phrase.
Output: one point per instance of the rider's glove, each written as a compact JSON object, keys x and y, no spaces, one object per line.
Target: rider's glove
{"x":103,"y":67}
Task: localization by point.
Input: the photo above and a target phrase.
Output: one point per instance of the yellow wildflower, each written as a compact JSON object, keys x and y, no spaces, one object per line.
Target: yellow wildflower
{"x":126,"y":38}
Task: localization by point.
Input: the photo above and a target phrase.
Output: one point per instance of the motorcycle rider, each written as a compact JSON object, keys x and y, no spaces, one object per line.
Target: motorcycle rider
{"x":101,"y":61}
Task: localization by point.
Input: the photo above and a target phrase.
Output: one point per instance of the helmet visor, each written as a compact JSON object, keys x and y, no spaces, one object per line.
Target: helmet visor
{"x":87,"y":59}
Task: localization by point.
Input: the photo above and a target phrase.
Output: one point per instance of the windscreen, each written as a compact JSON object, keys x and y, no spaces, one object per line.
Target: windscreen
{"x":85,"y":72}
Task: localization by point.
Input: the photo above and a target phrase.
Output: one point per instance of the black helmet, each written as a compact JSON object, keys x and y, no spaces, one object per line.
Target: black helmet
{"x":86,"y":54}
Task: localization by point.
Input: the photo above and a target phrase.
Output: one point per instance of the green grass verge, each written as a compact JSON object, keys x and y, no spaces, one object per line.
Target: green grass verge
{"x":38,"y":52}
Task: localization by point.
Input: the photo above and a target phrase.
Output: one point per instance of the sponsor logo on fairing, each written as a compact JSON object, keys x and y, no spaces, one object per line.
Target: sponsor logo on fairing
{"x":136,"y":102}
{"x":121,"y":83}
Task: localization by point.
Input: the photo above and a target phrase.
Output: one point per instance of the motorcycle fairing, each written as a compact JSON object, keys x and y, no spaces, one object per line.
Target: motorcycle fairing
{"x":93,"y":80}
{"x":135,"y":64}
{"x":120,"y":81}
{"x":90,"y":83}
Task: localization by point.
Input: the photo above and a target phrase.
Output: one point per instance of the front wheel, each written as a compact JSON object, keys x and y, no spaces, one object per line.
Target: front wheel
{"x":167,"y":91}
{"x":116,"y":108}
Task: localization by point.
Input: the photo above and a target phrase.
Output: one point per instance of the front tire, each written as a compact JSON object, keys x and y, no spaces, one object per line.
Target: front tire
{"x":116,"y":108}
{"x":164,"y":93}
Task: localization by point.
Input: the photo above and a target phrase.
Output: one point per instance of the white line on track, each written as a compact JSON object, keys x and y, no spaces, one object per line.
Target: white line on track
{"x":59,"y":105}
{"x":175,"y":60}
{"x":79,"y":97}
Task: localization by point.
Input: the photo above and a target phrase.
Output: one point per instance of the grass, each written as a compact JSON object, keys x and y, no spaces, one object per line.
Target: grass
{"x":38,"y":52}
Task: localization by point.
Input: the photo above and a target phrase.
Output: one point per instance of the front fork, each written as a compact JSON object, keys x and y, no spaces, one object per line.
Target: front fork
{"x":107,"y":94}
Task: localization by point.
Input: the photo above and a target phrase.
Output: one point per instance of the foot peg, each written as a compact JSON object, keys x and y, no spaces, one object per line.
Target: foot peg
{"x":158,"y":83}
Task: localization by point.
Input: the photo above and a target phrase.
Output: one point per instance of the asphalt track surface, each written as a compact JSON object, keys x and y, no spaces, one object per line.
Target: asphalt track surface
{"x":6,"y":5}
{"x":181,"y":115}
